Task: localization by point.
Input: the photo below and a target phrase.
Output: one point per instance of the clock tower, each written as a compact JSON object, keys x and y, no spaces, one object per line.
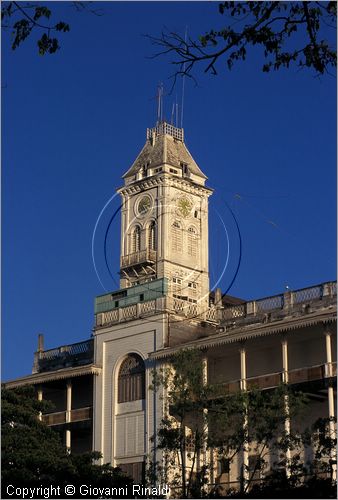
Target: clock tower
{"x":164,"y":226}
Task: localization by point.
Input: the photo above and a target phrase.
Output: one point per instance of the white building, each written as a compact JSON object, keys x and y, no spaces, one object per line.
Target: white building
{"x":101,"y":387}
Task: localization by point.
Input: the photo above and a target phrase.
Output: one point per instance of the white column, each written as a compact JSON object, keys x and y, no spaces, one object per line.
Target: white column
{"x":287,"y":423}
{"x":328,"y":367}
{"x":69,"y":401}
{"x":328,"y":373}
{"x":68,"y":413}
{"x":206,"y":455}
{"x":245,"y":423}
{"x":243,"y":368}
{"x":68,"y":440}
{"x":285,"y":375}
{"x":40,"y":396}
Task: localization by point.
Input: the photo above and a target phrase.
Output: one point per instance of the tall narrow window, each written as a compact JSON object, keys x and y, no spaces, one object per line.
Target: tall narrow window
{"x":176,"y":241}
{"x":152,"y":236}
{"x":192,"y":242}
{"x":131,"y":379}
{"x":136,"y":239}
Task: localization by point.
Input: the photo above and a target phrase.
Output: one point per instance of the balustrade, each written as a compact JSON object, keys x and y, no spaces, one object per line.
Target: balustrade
{"x":131,"y":259}
{"x":59,"y":418}
{"x":235,"y":312}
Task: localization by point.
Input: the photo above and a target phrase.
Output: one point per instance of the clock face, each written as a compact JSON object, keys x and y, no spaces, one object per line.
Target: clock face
{"x":184,"y":206}
{"x":144,"y":206}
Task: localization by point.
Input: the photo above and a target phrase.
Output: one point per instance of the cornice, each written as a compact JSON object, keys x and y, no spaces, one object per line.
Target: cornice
{"x":40,"y":378}
{"x":164,"y":179}
{"x":249,"y":332}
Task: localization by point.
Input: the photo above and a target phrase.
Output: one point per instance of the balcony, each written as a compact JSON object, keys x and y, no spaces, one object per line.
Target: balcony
{"x":60,"y":418}
{"x":156,"y":306}
{"x":276,"y":307}
{"x":137,"y":258}
{"x":271,"y":380}
{"x":81,"y":353}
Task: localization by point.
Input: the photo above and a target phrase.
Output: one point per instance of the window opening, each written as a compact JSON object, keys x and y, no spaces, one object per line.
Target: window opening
{"x":131,"y":379}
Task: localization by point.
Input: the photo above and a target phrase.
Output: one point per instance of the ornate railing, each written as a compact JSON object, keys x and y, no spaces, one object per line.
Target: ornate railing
{"x":85,"y":347}
{"x":188,"y":309}
{"x":147,"y":307}
{"x":138,"y":257}
{"x":160,"y":305}
{"x":306,"y":294}
{"x":282,"y":301}
{"x":129,"y":312}
{"x":270,"y":303}
{"x":238,"y":311}
{"x":111,"y":316}
{"x":77,"y":354}
{"x":211,"y":314}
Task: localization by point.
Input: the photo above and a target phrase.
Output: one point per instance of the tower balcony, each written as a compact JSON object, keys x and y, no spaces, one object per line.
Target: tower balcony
{"x":146,"y":256}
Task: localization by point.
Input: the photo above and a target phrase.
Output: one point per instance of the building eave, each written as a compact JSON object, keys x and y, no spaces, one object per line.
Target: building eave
{"x":40,"y":378}
{"x":249,"y":332}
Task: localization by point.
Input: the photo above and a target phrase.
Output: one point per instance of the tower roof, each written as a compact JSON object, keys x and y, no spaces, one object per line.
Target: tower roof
{"x":165,"y":144}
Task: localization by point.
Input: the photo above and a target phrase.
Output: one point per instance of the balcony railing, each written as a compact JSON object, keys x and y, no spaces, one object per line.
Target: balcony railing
{"x":281,"y":302}
{"x":59,"y":418}
{"x":162,"y":304}
{"x":143,"y":256}
{"x":258,"y":308}
{"x":77,"y":354}
{"x":270,"y":380}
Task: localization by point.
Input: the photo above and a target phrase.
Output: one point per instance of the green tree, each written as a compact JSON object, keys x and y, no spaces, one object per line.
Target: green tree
{"x":186,"y":400}
{"x":201,"y":417}
{"x":301,"y":33}
{"x":31,"y":451}
{"x":22,"y":19}
{"x":33,"y":455}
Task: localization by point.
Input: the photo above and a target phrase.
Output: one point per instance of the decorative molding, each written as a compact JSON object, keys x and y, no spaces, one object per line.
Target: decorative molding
{"x":252,"y":331}
{"x":40,"y":378}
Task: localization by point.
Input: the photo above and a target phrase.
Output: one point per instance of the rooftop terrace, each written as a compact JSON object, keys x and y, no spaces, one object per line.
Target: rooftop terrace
{"x":276,"y":308}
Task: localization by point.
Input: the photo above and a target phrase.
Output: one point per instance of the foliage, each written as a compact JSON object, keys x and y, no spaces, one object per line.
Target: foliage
{"x":201,"y":417}
{"x":33,"y":455}
{"x":31,"y":452}
{"x":25,"y":18}
{"x":287,"y":32}
{"x":323,"y":439}
{"x":186,"y":398}
{"x":256,"y":420}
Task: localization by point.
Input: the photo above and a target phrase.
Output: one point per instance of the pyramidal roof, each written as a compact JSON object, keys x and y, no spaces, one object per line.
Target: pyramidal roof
{"x":164,"y":145}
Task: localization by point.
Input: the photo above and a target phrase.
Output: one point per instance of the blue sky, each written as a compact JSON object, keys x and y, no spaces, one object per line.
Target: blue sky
{"x":74,"y":122}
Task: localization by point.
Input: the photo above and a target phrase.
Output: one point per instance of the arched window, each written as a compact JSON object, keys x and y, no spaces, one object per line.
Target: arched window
{"x":152,"y":236}
{"x":136,"y":239}
{"x":176,"y":241}
{"x":131,"y":379}
{"x":192,"y":242}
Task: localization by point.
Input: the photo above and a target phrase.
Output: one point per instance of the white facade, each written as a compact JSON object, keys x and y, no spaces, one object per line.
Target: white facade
{"x":164,"y":235}
{"x":122,"y":431}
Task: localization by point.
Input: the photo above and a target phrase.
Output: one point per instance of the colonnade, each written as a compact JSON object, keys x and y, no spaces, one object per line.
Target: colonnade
{"x":287,"y":422}
{"x":68,"y":410}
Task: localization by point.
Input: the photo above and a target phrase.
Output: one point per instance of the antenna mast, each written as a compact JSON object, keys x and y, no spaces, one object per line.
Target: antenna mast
{"x":183,"y":79}
{"x":160,"y":103}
